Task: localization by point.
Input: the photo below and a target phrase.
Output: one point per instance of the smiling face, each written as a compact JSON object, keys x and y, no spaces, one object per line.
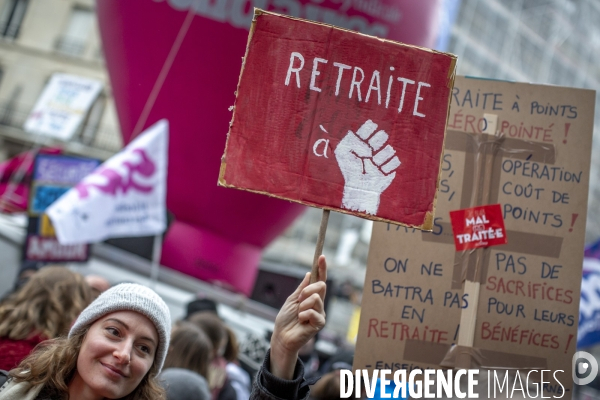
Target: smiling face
{"x":116,"y":354}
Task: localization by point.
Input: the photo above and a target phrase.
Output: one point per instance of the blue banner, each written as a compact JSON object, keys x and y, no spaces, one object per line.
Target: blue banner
{"x":589,"y":307}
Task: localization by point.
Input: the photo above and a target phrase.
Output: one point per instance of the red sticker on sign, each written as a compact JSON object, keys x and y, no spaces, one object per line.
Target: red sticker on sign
{"x":478,"y":227}
{"x":335,"y":119}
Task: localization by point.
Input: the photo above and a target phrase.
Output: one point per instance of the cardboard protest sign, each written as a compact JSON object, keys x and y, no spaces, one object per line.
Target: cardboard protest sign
{"x":339,"y":120}
{"x":53,"y":175}
{"x":536,"y":141}
{"x":478,"y":227}
{"x":62,"y":106}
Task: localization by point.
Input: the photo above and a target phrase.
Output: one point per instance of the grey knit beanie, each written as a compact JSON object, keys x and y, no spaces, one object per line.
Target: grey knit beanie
{"x":131,"y":297}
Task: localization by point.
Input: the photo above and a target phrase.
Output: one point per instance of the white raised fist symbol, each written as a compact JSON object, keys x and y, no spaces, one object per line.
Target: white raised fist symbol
{"x":368,"y":167}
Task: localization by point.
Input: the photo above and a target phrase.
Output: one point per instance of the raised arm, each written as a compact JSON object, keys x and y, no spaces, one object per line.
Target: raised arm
{"x":300,"y":318}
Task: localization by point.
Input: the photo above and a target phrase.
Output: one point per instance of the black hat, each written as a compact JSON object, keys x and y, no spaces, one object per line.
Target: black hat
{"x":343,"y":359}
{"x":200,"y":305}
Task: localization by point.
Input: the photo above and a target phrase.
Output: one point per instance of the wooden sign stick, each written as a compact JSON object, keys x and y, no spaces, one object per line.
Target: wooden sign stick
{"x":468,"y":316}
{"x":314,"y":273}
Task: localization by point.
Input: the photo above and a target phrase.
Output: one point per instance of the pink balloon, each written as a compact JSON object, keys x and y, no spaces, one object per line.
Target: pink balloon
{"x":219,"y":233}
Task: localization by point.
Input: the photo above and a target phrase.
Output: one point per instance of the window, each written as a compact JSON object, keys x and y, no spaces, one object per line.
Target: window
{"x":75,"y":37}
{"x":9,"y":113}
{"x":11,"y":17}
{"x":89,"y":127}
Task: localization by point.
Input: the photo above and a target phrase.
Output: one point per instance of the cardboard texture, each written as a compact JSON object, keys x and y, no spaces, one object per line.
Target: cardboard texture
{"x":536,"y":151}
{"x":335,"y":119}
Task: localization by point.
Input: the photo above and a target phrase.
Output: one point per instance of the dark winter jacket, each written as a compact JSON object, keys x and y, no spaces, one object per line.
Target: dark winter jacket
{"x":269,"y":387}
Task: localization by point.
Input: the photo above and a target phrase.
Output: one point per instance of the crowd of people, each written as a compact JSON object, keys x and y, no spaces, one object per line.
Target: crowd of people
{"x":65,"y":336}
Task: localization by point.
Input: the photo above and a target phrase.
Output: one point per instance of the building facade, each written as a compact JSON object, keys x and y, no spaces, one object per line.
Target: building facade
{"x":555,"y":42}
{"x":37,"y":39}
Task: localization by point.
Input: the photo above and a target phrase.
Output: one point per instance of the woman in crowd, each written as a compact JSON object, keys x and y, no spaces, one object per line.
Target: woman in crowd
{"x":214,"y":328}
{"x":237,"y":378}
{"x":118,"y":345}
{"x":44,"y":308}
{"x":190,"y":349}
{"x":187,"y":363}
{"x":114,"y":350}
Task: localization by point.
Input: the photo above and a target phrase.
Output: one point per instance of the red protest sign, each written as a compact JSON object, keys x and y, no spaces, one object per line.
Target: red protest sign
{"x":478,"y":227}
{"x":339,"y":120}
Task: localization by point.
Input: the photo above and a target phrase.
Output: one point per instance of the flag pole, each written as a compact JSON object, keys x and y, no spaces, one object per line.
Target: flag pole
{"x":156,"y":253}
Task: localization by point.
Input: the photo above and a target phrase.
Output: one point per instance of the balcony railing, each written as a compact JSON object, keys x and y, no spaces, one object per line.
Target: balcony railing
{"x":90,"y":135}
{"x":70,"y":46}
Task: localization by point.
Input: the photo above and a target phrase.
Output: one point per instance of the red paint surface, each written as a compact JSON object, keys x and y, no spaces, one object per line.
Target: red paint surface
{"x":486,"y":218}
{"x":275,"y":126}
{"x":137,"y":36}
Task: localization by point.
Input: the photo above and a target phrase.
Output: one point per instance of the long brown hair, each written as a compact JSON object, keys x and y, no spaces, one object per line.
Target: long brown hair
{"x":53,"y":363}
{"x":190,"y":348}
{"x":47,"y":304}
{"x":232,"y":349}
{"x":214,"y":328}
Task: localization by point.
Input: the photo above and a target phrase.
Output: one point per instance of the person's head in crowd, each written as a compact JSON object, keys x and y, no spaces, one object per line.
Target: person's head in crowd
{"x":190,"y":348}
{"x":183,"y":384}
{"x":328,"y":387}
{"x":342,"y":359}
{"x":214,"y":328}
{"x":199,"y":306}
{"x":98,"y":284}
{"x":115,"y":349}
{"x":46,"y":305}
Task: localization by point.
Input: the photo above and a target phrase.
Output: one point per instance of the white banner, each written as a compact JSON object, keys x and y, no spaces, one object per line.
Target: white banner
{"x":62,"y":106}
{"x":125,"y":196}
